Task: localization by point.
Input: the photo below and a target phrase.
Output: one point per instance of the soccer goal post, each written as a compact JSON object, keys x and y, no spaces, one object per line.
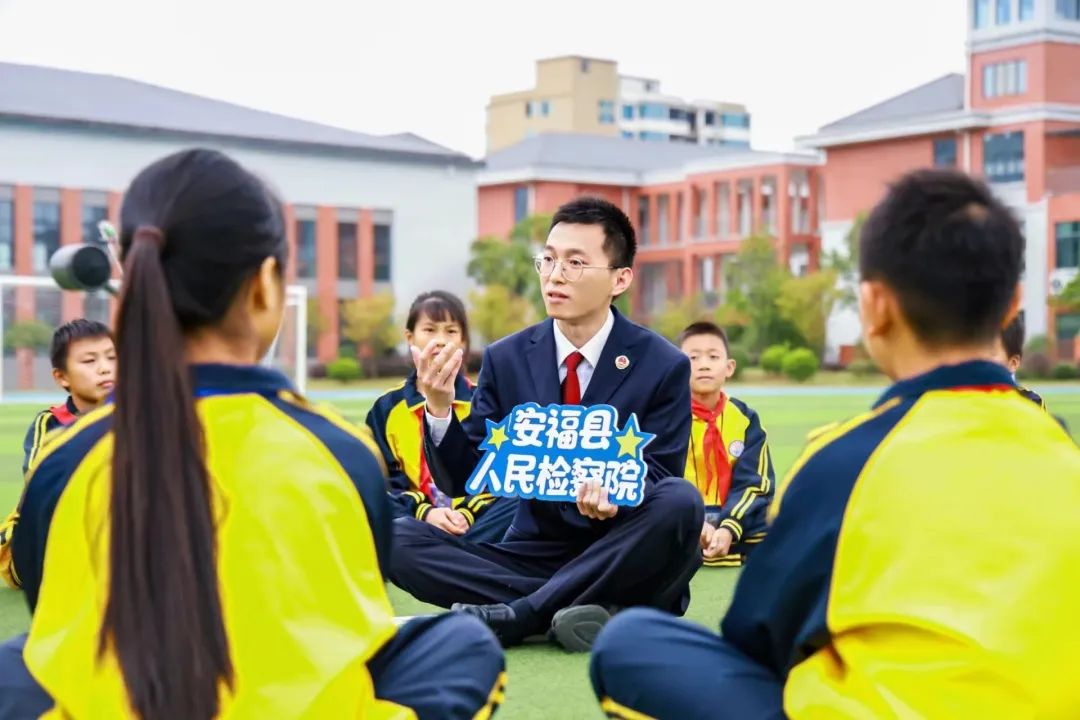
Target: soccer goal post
{"x":32,"y":307}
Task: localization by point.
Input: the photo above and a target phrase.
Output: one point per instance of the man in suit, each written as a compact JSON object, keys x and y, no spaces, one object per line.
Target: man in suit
{"x":564,"y":567}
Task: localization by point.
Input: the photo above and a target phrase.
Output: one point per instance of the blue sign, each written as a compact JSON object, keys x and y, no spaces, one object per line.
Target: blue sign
{"x":546,"y":453}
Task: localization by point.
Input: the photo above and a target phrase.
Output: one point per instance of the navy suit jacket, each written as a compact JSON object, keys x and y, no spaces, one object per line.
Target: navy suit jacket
{"x":523,"y":368}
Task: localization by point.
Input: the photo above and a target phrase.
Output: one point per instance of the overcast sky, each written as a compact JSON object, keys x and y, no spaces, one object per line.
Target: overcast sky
{"x":429,"y":66}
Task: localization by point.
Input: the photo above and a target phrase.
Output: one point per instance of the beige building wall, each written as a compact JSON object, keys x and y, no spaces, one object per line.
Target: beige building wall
{"x":572,"y":88}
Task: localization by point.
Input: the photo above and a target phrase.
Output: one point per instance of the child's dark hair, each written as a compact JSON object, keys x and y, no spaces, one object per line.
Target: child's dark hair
{"x":950,"y":250}
{"x":620,"y":241}
{"x":440,"y":306}
{"x":1012,"y":337}
{"x":81,"y":329}
{"x":195,"y":226}
{"x":704,"y":327}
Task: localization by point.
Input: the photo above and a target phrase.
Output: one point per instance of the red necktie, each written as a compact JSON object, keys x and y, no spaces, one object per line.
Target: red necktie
{"x":571,"y":389}
{"x":719,"y":469}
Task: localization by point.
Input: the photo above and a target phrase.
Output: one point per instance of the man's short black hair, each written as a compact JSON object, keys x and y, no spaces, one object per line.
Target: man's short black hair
{"x":1012,"y":337}
{"x":68,"y":333}
{"x":704,"y":327}
{"x":951,"y":252}
{"x":620,"y":241}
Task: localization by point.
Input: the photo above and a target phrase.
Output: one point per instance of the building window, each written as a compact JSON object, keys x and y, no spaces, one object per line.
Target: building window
{"x":92,"y":214}
{"x":521,"y":203}
{"x":982,"y":13}
{"x":653,"y":111}
{"x":680,"y":216}
{"x":46,"y":229}
{"x":305,"y":248}
{"x":1001,"y":11}
{"x":740,"y":120}
{"x":945,"y":153}
{"x":1068,"y":9}
{"x":627,"y":135}
{"x":545,"y":108}
{"x":7,"y":230}
{"x":1067,"y":237}
{"x":607,"y":112}
{"x":1027,"y":10}
{"x":348,"y":251}
{"x":584,"y":65}
{"x":1005,"y":78}
{"x":643,"y":219}
{"x":723,"y":209}
{"x":710,"y":118}
{"x":628,"y":112}
{"x":382,"y":253}
{"x":1003,"y":157}
{"x":528,"y":109}
{"x":661,"y":137}
{"x":662,"y":224}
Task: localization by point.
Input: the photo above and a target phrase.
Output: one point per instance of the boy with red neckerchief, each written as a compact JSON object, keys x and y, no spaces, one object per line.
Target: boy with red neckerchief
{"x":728,"y":459}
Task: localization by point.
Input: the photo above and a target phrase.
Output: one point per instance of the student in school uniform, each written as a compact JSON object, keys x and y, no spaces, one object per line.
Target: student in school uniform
{"x":1011,"y":355}
{"x":209,"y":545}
{"x":729,"y":460}
{"x":84,"y":365}
{"x":902,"y":575}
{"x":397,"y":422}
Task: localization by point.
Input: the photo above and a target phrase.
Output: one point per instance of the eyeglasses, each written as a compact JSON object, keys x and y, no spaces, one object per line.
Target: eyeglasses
{"x":572,"y":269}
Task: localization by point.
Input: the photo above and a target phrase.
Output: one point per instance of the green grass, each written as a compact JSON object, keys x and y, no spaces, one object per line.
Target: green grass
{"x":540,"y":675}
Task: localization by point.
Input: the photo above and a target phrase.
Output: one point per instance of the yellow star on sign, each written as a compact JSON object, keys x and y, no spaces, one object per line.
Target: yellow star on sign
{"x":628,"y":442}
{"x":497,"y":436}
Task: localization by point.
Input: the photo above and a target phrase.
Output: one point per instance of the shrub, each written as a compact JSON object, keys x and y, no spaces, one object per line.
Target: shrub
{"x":800,"y":364}
{"x":28,"y":335}
{"x":316,"y":370}
{"x":1037,"y":365}
{"x":1065,"y":371}
{"x":741,"y":358}
{"x":772,"y":360}
{"x":863,"y":368}
{"x":344,"y":370}
{"x":1037,"y":344}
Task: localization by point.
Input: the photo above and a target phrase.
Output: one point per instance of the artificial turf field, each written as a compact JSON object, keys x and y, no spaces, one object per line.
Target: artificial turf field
{"x":546,"y":682}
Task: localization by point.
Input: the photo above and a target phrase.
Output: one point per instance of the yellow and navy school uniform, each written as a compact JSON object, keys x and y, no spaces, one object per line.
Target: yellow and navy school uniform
{"x":1038,"y":400}
{"x":41,"y":431}
{"x":920,"y":563}
{"x":303,"y":528}
{"x":397,"y":421}
{"x":730,"y":464}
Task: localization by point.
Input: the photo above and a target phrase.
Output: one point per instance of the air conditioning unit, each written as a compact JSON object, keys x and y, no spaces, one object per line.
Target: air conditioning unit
{"x":1060,"y":279}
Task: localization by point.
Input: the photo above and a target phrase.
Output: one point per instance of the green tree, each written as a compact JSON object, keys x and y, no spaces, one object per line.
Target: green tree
{"x":806,"y":302}
{"x":676,"y":315}
{"x":1069,"y":299}
{"x":28,"y":335}
{"x":495,"y":312}
{"x":755,"y":283}
{"x":369,"y":323}
{"x":845,"y":263}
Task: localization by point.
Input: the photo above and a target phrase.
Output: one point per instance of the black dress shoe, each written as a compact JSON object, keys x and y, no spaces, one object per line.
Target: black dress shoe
{"x":575,"y":628}
{"x":501,"y":618}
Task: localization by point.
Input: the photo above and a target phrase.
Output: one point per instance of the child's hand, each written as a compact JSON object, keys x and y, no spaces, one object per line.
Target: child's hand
{"x":720,"y":544}
{"x":707,"y":532}
{"x":448,"y":520}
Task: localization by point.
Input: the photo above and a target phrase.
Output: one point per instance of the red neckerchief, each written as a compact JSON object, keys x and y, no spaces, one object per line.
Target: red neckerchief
{"x":720,"y":467}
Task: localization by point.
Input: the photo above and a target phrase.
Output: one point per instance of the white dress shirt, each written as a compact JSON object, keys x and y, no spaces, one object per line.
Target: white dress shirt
{"x":590,"y":351}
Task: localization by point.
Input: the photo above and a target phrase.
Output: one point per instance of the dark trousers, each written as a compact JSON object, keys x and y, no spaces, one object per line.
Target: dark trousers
{"x":493,"y":523}
{"x":645,"y":557}
{"x":649,"y":663}
{"x":446,"y":666}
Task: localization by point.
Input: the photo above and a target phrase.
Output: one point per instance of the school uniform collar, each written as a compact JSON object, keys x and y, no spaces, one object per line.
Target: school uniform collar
{"x":975,"y":375}
{"x":413,"y":398}
{"x":215,"y":379}
{"x":72,"y":407}
{"x":591,"y":350}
